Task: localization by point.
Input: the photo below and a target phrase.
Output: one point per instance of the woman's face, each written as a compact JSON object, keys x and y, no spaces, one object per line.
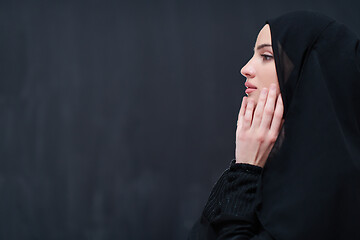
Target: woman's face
{"x":260,"y":71}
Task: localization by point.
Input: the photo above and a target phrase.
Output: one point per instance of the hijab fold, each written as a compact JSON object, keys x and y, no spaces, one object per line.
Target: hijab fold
{"x":311,"y":181}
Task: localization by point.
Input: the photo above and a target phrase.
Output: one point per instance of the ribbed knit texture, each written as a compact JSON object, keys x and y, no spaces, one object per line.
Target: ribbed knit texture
{"x":229,"y":213}
{"x":234,"y":193}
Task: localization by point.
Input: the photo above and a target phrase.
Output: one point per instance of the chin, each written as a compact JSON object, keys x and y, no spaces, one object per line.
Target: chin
{"x":254,"y":96}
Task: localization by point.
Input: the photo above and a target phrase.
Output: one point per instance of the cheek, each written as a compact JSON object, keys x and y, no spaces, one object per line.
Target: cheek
{"x":270,"y":76}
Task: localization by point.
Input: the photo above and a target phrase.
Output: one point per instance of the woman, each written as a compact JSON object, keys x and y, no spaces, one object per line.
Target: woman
{"x":309,"y":187}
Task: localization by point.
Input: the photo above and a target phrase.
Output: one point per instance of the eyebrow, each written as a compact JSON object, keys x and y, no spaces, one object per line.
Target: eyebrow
{"x":262,"y":46}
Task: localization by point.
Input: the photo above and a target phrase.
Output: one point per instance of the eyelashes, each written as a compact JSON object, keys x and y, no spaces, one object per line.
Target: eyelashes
{"x":267,"y":57}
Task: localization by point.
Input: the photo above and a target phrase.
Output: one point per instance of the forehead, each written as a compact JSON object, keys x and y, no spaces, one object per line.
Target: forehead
{"x":264,"y":35}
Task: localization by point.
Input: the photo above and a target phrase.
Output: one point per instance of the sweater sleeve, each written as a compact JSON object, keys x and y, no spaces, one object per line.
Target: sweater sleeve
{"x":230,"y":210}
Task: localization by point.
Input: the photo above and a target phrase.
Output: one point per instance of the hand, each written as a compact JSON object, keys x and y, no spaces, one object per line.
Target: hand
{"x":256,"y":133}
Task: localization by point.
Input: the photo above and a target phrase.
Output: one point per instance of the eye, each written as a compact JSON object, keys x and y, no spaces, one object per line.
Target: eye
{"x":267,"y":57}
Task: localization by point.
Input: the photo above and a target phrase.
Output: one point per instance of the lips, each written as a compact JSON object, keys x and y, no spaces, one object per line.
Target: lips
{"x":249,"y":87}
{"x":249,"y":90}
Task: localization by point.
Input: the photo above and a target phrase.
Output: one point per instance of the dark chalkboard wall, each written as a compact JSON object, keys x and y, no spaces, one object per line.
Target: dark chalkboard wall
{"x":118,"y":117}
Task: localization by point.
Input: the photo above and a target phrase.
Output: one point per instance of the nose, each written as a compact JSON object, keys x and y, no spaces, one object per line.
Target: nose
{"x":248,"y":70}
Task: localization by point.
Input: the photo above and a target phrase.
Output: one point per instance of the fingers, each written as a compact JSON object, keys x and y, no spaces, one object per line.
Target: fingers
{"x":242,"y":111}
{"x":243,"y":106}
{"x":248,"y":114}
{"x":278,"y":114}
{"x":269,"y":108}
{"x":260,"y":108}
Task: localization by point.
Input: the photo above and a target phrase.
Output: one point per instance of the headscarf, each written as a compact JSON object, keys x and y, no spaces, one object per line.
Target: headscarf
{"x":311,"y":181}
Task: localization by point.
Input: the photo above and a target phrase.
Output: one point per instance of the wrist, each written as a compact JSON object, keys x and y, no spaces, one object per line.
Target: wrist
{"x":248,"y":167}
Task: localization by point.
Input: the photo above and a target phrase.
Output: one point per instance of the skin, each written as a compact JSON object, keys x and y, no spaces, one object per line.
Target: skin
{"x":260,"y":69}
{"x":260,"y":115}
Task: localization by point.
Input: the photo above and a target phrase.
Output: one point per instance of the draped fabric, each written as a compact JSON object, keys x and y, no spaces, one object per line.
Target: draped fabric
{"x":311,"y":182}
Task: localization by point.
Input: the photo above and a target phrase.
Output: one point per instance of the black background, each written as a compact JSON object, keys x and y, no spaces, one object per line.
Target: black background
{"x":118,"y":116}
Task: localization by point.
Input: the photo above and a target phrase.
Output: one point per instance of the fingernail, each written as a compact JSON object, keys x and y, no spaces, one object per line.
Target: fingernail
{"x":273,"y":86}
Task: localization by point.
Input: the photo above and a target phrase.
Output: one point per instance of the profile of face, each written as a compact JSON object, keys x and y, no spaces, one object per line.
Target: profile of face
{"x":260,"y":71}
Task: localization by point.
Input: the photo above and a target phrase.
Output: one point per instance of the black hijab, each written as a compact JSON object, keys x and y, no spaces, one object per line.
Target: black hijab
{"x":311,"y":182}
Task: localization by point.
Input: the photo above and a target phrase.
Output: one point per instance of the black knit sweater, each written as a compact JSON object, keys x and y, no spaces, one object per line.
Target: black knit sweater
{"x":230,"y":210}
